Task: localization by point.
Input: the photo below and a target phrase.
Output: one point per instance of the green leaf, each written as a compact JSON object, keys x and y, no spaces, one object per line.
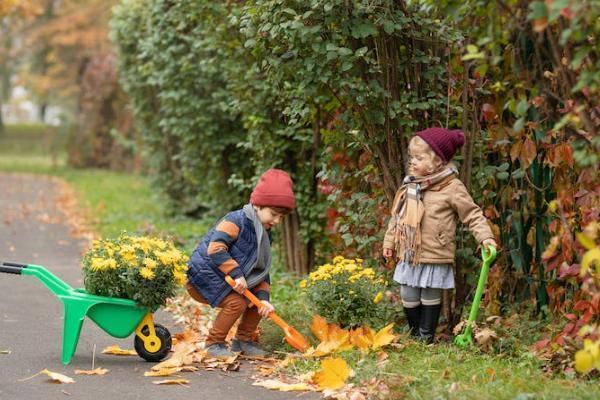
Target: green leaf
{"x":522,"y":107}
{"x":519,"y":124}
{"x":502,"y":175}
{"x":472,"y":49}
{"x":363,"y":30}
{"x":537,"y":9}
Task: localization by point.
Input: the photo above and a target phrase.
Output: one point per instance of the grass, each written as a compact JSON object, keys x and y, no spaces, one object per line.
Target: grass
{"x":116,"y":202}
{"x":112,"y":201}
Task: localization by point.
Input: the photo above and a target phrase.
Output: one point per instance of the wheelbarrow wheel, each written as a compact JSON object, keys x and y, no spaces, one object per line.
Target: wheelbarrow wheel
{"x":165,"y":344}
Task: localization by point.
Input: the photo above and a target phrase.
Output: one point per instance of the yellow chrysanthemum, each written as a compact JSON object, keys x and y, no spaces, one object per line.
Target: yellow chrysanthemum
{"x":146,"y":273}
{"x":111,"y":263}
{"x":97,"y":264}
{"x":149,"y":263}
{"x":378,"y":297}
{"x":303,"y":283}
{"x":180,"y":278}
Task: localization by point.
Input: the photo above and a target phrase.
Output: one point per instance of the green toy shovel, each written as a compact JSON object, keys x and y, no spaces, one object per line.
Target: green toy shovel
{"x":465,"y":339}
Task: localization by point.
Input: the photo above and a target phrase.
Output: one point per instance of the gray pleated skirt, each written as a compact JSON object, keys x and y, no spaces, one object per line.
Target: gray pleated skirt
{"x":439,"y":276}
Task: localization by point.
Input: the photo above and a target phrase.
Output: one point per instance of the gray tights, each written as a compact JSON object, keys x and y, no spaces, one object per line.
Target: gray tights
{"x":413,"y":297}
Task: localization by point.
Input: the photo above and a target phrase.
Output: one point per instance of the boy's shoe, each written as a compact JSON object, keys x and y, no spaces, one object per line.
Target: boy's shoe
{"x":249,"y":349}
{"x":219,"y":350}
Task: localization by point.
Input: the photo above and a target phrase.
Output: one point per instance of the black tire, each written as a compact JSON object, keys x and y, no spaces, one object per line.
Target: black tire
{"x":165,"y":344}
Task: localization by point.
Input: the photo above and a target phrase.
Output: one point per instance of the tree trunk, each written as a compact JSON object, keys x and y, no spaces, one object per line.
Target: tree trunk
{"x":2,"y":129}
{"x":295,"y":252}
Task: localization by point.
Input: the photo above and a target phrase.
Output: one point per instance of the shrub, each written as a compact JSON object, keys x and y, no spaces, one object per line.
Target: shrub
{"x":347,"y":293}
{"x":147,"y":270}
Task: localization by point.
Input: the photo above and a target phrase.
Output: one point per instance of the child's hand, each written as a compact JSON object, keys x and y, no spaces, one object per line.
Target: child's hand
{"x":489,"y":243}
{"x":387,"y":253}
{"x":240,"y":285}
{"x":266,"y":309}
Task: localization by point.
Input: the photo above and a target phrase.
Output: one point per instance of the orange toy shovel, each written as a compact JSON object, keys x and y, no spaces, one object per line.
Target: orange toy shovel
{"x":292,"y":336}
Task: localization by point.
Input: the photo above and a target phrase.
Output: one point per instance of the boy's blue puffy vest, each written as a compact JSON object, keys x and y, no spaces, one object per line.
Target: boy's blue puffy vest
{"x":205,"y":276}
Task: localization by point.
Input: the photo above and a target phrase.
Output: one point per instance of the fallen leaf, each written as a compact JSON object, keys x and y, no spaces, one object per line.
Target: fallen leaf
{"x":57,"y":378}
{"x":95,"y":371}
{"x":383,"y":337}
{"x":117,"y":351}
{"x":182,"y":382}
{"x":320,"y":328}
{"x":382,"y":359}
{"x":333,"y":374}
{"x":274,"y":384}
{"x":485,"y":337}
{"x":362,"y":338}
{"x":266,"y":370}
{"x":188,"y":335}
{"x":182,"y":356}
{"x":454,"y":387}
{"x":163,"y":372}
{"x":189,"y":368}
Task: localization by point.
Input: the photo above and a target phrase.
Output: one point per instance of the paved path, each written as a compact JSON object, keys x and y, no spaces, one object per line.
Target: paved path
{"x":33,"y":230}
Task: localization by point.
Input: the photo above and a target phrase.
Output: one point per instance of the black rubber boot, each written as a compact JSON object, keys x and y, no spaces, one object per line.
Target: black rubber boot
{"x":413,"y":316}
{"x":429,"y":321}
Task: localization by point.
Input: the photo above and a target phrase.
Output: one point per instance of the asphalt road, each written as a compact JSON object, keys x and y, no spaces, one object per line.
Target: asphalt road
{"x":34,"y":230}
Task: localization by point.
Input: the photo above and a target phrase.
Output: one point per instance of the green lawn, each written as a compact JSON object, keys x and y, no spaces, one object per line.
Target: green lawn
{"x":115,"y":201}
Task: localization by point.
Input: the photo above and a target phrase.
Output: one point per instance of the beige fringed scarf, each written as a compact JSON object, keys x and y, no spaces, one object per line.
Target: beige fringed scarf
{"x":408,"y":211}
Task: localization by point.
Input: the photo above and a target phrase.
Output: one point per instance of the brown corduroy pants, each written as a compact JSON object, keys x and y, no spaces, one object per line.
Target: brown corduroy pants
{"x":232,"y":307}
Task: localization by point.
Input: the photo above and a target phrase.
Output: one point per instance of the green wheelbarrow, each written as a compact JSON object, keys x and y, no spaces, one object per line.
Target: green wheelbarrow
{"x":465,"y":339}
{"x":117,"y":317}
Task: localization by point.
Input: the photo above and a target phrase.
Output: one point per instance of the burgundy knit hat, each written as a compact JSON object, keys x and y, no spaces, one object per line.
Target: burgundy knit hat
{"x":444,"y":142}
{"x":274,"y":189}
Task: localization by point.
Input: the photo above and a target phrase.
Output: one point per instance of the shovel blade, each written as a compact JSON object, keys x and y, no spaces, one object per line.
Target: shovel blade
{"x":296,"y":340}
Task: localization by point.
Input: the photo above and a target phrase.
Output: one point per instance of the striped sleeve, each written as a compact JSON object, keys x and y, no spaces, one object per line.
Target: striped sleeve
{"x":225,"y":233}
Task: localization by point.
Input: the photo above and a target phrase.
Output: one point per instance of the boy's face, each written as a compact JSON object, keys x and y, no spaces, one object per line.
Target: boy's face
{"x":268,"y":216}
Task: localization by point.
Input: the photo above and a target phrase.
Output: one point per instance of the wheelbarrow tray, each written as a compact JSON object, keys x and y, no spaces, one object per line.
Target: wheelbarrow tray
{"x":117,"y":317}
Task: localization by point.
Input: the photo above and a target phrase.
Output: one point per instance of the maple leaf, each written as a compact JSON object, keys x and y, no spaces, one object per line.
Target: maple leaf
{"x":339,"y":336}
{"x":163,"y":372}
{"x":333,"y":374}
{"x":362,"y":338}
{"x":383,"y":337}
{"x":117,"y":351}
{"x":57,"y":378}
{"x":320,"y":328}
{"x":172,"y":382}
{"x":95,"y":371}
{"x":274,"y":384}
{"x":183,"y":355}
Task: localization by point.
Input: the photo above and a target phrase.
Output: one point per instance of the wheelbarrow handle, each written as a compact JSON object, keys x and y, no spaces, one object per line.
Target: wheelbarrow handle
{"x":12,"y":268}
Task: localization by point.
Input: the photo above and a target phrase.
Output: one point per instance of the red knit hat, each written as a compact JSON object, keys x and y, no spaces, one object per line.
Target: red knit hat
{"x":444,"y":142}
{"x":274,"y":189}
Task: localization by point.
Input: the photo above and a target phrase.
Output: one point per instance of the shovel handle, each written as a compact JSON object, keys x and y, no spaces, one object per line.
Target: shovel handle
{"x":250,"y":296}
{"x":488,"y":258}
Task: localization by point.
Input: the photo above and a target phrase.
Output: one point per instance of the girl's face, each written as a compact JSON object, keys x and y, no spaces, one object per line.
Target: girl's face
{"x":268,"y":217}
{"x":422,"y":160}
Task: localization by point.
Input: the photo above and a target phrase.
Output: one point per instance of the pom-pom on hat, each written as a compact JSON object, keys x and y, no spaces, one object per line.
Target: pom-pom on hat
{"x":444,"y":142}
{"x":274,"y":189}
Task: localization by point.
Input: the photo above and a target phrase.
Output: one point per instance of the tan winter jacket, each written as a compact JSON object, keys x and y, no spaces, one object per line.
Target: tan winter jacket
{"x":443,"y":203}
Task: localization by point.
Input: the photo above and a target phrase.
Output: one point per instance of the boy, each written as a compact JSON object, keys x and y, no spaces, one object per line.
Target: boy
{"x":240,"y":246}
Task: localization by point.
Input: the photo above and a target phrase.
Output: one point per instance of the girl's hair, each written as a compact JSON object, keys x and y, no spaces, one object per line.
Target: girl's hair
{"x":435,"y":160}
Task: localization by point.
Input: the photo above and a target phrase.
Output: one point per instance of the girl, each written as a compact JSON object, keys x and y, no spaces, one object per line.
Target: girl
{"x":422,"y":228}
